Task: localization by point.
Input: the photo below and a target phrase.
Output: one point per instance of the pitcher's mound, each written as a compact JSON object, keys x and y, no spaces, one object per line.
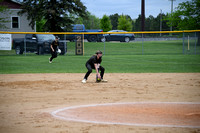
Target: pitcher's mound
{"x":138,"y":114}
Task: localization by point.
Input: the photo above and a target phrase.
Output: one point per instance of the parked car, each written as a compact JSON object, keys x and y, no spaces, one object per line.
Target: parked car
{"x":89,"y":37}
{"x":38,"y":43}
{"x":118,"y":37}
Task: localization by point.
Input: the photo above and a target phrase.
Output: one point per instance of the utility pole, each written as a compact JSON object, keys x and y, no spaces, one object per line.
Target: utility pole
{"x":171,"y":11}
{"x":143,"y":14}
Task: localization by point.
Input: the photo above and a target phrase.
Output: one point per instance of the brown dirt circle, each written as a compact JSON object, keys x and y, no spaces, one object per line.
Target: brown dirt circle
{"x":138,"y":114}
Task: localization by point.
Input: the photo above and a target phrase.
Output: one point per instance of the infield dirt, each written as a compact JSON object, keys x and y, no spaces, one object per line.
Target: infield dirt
{"x":27,"y":100}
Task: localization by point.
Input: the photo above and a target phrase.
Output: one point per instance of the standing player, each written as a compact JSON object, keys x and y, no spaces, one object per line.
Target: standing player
{"x":54,"y":47}
{"x":94,"y":63}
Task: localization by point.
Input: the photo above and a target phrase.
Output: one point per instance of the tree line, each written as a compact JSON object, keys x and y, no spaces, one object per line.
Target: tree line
{"x":56,"y":16}
{"x":124,"y":22}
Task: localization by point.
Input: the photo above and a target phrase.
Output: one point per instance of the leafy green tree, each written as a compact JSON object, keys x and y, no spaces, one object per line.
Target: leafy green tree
{"x":3,"y":9}
{"x":124,"y":23}
{"x":186,"y":16}
{"x":92,"y":22}
{"x":40,"y":25}
{"x":133,"y":25}
{"x":149,"y":23}
{"x":114,"y":21}
{"x":152,"y":23}
{"x":55,"y":12}
{"x":138,"y":23}
{"x":165,"y":27}
{"x":105,"y":23}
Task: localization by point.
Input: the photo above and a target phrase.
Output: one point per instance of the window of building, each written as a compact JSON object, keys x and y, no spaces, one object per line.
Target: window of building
{"x":15,"y":22}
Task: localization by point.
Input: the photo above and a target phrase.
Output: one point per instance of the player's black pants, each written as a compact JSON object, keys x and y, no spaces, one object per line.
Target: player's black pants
{"x":89,"y":67}
{"x":53,"y":55}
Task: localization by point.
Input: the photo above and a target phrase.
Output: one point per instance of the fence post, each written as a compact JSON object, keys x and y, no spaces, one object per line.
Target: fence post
{"x":195,"y":46}
{"x":65,"y":41}
{"x":142,"y":45}
{"x":83,"y":45}
{"x":104,"y":47}
{"x":25,"y":45}
{"x":183,"y":42}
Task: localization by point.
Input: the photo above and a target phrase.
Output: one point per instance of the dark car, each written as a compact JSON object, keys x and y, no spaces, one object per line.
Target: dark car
{"x":38,"y":43}
{"x":118,"y":37}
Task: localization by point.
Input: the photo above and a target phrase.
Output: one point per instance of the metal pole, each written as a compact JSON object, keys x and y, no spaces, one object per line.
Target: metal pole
{"x":142,"y":45}
{"x":104,"y":48}
{"x":188,"y":42}
{"x":65,"y":43}
{"x":183,"y":43}
{"x":83,"y":44}
{"x":171,"y":13}
{"x":195,"y":46}
{"x":25,"y":45}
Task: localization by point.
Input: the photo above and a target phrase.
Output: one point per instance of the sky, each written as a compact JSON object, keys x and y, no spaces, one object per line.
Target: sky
{"x":129,"y":7}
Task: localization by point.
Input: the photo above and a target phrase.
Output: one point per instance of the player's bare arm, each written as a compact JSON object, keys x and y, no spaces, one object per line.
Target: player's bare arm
{"x":96,"y":68}
{"x":52,"y":48}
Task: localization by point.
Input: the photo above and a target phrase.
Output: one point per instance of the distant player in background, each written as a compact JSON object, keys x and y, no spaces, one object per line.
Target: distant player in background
{"x":94,"y":63}
{"x":53,"y":48}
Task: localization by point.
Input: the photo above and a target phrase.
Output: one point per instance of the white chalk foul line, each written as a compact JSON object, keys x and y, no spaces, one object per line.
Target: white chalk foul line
{"x":54,"y":113}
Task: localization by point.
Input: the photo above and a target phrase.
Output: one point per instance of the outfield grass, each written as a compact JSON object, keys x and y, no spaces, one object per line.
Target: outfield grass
{"x":138,"y":48}
{"x":133,"y":57}
{"x":113,"y":64}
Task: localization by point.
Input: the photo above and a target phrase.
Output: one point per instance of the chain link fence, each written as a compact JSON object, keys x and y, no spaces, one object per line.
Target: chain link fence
{"x":115,"y":43}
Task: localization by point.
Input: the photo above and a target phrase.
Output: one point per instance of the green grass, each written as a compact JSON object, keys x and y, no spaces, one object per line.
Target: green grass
{"x":137,"y":48}
{"x":133,"y":57}
{"x":113,"y":64}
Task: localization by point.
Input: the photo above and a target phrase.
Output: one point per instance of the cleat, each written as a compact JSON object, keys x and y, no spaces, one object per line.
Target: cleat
{"x":103,"y":80}
{"x":84,"y":81}
{"x":50,"y":61}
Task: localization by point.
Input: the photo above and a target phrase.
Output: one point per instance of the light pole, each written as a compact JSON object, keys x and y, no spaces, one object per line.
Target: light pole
{"x":171,"y":12}
{"x":143,"y":14}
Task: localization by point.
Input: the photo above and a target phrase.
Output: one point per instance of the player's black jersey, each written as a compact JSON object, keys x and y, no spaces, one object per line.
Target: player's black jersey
{"x":55,"y":45}
{"x":93,"y":60}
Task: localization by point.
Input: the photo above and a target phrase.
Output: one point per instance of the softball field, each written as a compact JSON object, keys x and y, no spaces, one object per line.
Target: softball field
{"x":127,"y":103}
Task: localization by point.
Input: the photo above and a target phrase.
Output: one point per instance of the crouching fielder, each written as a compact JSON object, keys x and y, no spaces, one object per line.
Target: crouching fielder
{"x":94,"y":63}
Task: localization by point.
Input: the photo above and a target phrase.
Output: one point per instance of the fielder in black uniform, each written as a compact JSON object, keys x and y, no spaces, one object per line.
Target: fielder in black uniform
{"x":94,"y":63}
{"x":53,"y":48}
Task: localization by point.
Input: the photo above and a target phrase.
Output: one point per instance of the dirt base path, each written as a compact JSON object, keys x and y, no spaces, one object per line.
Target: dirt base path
{"x":27,"y":100}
